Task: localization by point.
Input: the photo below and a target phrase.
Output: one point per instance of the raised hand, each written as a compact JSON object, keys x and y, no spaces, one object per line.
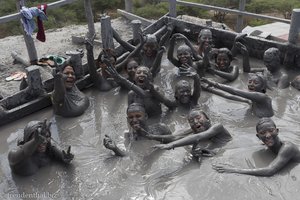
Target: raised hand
{"x":240,"y":38}
{"x":38,"y":137}
{"x":67,"y":157}
{"x":109,"y":143}
{"x":241,"y":47}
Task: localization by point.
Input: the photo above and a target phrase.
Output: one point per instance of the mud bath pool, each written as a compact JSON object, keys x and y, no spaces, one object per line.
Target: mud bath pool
{"x":147,"y":174}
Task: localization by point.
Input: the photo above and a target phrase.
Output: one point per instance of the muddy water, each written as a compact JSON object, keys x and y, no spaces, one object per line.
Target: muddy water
{"x":147,"y":174}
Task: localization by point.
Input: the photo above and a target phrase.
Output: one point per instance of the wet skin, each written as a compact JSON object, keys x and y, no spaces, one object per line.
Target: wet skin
{"x":36,"y":150}
{"x":285,"y":152}
{"x":69,"y":73}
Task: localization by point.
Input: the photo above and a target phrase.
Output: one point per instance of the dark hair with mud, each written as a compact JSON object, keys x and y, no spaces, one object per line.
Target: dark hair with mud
{"x":136,"y":107}
{"x":224,"y":51}
{"x":262,"y":79}
{"x":264,"y":120}
{"x":197,"y":109}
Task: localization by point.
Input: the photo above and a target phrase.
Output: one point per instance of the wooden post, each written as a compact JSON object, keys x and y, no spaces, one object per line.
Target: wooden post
{"x":128,"y":5}
{"x":32,"y":53}
{"x":90,"y":18}
{"x":294,"y":27}
{"x":136,"y":30}
{"x":172,"y":8}
{"x":106,"y":33}
{"x":240,"y":20}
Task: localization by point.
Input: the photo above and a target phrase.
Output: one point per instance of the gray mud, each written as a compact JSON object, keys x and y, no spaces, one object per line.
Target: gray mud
{"x":147,"y":174}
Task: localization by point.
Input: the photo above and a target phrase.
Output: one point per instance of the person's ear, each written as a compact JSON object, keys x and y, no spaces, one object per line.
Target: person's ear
{"x":146,"y":116}
{"x":277,"y":131}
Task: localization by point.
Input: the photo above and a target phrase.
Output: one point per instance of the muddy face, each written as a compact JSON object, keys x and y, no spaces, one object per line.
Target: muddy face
{"x":271,"y":63}
{"x":255,"y":84}
{"x":223,"y":61}
{"x":131,"y":68}
{"x":150,"y":48}
{"x":184,"y":54}
{"x":267,"y":133}
{"x":198,"y":122}
{"x":142,"y":77}
{"x":136,"y":119}
{"x":205,"y":37}
{"x":70,"y":77}
{"x":183,"y":92}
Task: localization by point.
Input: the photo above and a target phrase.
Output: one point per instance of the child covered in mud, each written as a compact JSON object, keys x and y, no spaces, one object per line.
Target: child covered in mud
{"x":36,"y":151}
{"x":285,"y":151}
{"x":137,"y":120}
{"x":201,"y":130}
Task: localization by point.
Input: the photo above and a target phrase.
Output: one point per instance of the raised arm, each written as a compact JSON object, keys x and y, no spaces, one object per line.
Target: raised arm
{"x":157,"y":62}
{"x":191,"y":139}
{"x":124,"y":44}
{"x":170,"y":55}
{"x":239,"y":38}
{"x":161,"y":98}
{"x":286,"y":153}
{"x":253,"y":96}
{"x":244,"y":51}
{"x":61,"y":155}
{"x":27,"y":149}
{"x":166,"y":36}
{"x":197,"y":89}
{"x":224,"y":94}
{"x":59,"y":91}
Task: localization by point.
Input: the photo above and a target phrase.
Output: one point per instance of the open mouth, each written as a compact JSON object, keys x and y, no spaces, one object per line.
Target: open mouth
{"x":251,"y":88}
{"x":141,"y":81}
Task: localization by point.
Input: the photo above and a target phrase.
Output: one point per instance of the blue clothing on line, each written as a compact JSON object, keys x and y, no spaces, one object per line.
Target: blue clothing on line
{"x":27,"y":18}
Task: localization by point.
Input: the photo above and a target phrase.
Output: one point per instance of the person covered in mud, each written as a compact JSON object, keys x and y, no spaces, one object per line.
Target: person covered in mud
{"x":201,"y":130}
{"x":285,"y":151}
{"x":186,"y":61}
{"x":67,"y":99}
{"x":223,"y":67}
{"x":142,"y":90}
{"x":137,"y":120}
{"x":148,"y":51}
{"x":274,"y":75}
{"x":36,"y":150}
{"x":261,"y":102}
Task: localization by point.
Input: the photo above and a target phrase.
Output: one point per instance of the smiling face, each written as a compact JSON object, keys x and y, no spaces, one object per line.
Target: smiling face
{"x":151,"y":46}
{"x":184,"y":54}
{"x":70,"y":77}
{"x":205,"y":36}
{"x":267,"y":132}
{"x":136,"y":116}
{"x":255,"y":84}
{"x":223,"y":61}
{"x":142,"y":76}
{"x":131,"y":68}
{"x":198,"y":121}
{"x":183,"y":92}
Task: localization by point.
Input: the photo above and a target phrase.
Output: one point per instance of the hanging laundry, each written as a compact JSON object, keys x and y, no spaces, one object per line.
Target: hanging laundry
{"x":41,"y":31}
{"x":27,"y":18}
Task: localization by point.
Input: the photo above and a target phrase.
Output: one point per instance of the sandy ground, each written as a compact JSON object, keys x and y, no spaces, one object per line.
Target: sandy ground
{"x":58,"y":41}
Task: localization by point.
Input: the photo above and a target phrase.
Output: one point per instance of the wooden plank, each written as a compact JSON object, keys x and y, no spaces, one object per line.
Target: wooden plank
{"x":130,"y":16}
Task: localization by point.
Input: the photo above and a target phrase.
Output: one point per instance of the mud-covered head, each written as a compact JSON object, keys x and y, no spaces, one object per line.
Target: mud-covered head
{"x":296,"y":82}
{"x":33,"y":127}
{"x":257,"y":83}
{"x":223,"y":58}
{"x":267,"y":131}
{"x":198,"y":120}
{"x":143,"y":77}
{"x":205,"y":36}
{"x":184,"y":54}
{"x":68,"y":72}
{"x":271,"y":59}
{"x":150,"y":47}
{"x":136,"y":116}
{"x":131,"y":67}
{"x":183,"y":92}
